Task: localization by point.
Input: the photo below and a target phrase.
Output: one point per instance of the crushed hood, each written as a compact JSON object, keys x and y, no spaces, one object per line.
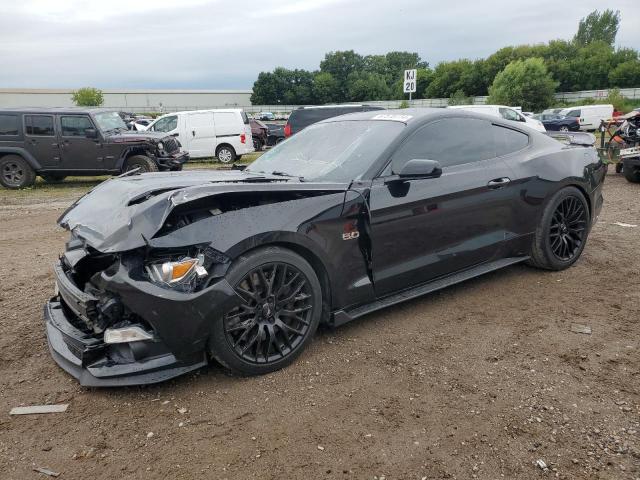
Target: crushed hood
{"x":125,"y":213}
{"x":137,"y":137}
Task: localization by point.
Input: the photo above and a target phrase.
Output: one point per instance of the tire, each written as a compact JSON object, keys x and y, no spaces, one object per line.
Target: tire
{"x":632,"y":174}
{"x":15,"y":172}
{"x":144,"y":163}
{"x":256,"y":337}
{"x":564,"y":128}
{"x":619,"y":167}
{"x":226,"y":154}
{"x":562,"y":232}
{"x":52,"y":177}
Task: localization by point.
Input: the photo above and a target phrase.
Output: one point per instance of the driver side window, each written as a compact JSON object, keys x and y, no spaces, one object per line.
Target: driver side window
{"x":166,"y":124}
{"x":509,"y":114}
{"x":451,"y":141}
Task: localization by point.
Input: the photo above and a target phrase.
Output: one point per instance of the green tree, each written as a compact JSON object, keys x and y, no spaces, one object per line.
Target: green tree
{"x":88,"y":97}
{"x":449,"y":77}
{"x":460,"y":98}
{"x":598,"y":27}
{"x":367,"y":86}
{"x":325,"y":88}
{"x":291,"y":87}
{"x":341,"y":64}
{"x":626,"y":74}
{"x":524,"y":83}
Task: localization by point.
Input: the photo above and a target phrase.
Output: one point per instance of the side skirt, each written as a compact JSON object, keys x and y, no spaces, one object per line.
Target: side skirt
{"x":344,"y":316}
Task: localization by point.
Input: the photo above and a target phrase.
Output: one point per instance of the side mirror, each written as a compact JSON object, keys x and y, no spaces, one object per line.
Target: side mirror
{"x":419,"y":168}
{"x":91,"y":133}
{"x":175,"y":134}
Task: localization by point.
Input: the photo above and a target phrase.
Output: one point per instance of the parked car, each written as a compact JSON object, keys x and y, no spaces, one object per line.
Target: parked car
{"x":359,"y":212}
{"x":260,"y":134}
{"x":267,"y":116}
{"x":302,"y":117}
{"x":223,"y":133}
{"x":140,"y":124}
{"x":276,"y":134}
{"x":55,"y":143}
{"x":508,"y":113}
{"x":589,"y":116}
{"x":552,"y":110}
{"x":554,"y":122}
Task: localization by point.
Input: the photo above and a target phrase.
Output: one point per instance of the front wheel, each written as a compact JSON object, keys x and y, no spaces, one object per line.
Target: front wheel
{"x":226,"y":154}
{"x":562,"y":232}
{"x":140,"y":162}
{"x":277,"y":312}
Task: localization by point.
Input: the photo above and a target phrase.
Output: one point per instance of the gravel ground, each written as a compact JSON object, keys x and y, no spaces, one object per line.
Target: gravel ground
{"x":481,"y":380}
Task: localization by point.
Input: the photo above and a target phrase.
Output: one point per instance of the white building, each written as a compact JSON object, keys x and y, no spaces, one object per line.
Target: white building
{"x":130,"y":100}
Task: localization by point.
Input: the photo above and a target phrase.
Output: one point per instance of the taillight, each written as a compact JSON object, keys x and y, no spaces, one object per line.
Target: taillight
{"x":243,"y":138}
{"x":287,"y":130}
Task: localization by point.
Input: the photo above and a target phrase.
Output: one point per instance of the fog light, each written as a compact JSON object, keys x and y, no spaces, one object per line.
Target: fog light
{"x":126,"y":334}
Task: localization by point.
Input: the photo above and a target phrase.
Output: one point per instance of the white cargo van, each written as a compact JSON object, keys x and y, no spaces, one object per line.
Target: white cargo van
{"x":222,"y":133}
{"x":508,"y":113}
{"x":589,"y":115}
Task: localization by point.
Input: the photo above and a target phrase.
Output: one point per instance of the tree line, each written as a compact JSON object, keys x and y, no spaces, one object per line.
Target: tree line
{"x":588,"y":61}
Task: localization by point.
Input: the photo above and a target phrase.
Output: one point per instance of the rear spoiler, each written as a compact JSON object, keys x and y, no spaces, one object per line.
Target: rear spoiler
{"x":574,"y":138}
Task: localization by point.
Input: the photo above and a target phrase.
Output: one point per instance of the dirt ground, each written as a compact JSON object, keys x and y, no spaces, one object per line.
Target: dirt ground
{"x":477,"y":381}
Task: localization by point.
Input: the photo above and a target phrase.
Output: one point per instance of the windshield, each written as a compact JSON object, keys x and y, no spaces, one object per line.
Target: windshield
{"x":329,"y":152}
{"x":109,"y":121}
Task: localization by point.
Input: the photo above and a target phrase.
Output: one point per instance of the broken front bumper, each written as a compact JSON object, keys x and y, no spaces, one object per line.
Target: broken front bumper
{"x":181,"y":324}
{"x":173,"y":162}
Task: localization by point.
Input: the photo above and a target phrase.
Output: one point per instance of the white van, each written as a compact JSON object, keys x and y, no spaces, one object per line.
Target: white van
{"x":508,"y":113}
{"x":589,"y":115}
{"x":222,"y":133}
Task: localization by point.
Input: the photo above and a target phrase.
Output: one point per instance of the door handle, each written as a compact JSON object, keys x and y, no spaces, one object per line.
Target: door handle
{"x":193,"y":132}
{"x":498,"y":182}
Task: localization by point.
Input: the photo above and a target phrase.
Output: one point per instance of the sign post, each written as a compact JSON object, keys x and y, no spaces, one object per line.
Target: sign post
{"x":410,"y":81}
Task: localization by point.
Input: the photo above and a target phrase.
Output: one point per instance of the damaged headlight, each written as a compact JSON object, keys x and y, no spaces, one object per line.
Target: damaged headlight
{"x":160,"y":146}
{"x":182,"y":272}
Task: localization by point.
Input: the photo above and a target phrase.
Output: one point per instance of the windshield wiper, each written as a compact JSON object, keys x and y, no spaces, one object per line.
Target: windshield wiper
{"x":284,"y":174}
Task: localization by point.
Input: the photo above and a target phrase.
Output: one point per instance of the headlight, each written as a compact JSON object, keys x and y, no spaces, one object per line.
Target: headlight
{"x":179,"y":272}
{"x":160,"y":146}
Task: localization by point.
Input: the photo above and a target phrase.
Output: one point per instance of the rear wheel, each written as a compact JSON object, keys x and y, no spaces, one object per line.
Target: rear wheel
{"x":15,"y":172}
{"x":562,"y":233}
{"x":279,"y":308}
{"x":140,"y":162}
{"x":226,"y":154}
{"x":564,"y":128}
{"x":632,"y":174}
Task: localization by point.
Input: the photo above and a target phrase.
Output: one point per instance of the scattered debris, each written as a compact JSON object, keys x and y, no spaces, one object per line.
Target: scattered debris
{"x":627,"y":225}
{"x":38,"y":409}
{"x":46,"y":471}
{"x":182,"y":411}
{"x":150,"y":434}
{"x":578,"y":328}
{"x":321,"y":448}
{"x":541,"y":464}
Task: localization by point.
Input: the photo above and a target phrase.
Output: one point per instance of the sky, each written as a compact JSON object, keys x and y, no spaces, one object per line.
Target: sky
{"x":221,"y":44}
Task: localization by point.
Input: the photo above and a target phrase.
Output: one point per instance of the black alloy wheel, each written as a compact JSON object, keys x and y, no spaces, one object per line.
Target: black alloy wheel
{"x":274,"y":316}
{"x":568,"y":228}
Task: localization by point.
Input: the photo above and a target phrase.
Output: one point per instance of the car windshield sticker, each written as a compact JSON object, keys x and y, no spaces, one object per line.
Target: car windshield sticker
{"x":397,"y":118}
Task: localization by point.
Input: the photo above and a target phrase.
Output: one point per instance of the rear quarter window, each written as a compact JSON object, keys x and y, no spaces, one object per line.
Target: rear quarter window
{"x":8,"y":125}
{"x":508,"y":140}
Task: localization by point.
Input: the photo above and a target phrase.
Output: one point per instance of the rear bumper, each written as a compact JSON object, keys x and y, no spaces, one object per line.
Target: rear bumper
{"x":95,"y":364}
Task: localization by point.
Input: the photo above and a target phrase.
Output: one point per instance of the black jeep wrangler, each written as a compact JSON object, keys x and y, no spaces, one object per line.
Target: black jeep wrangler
{"x":54,"y":143}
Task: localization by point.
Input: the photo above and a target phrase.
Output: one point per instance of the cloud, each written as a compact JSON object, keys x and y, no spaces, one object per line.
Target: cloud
{"x":222,"y":44}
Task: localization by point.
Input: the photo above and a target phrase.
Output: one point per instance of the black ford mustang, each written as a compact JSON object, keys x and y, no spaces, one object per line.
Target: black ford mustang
{"x":165,"y":271}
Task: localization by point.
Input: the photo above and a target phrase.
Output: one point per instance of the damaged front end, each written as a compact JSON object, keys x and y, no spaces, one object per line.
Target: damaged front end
{"x":135,"y":317}
{"x":140,"y":281}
